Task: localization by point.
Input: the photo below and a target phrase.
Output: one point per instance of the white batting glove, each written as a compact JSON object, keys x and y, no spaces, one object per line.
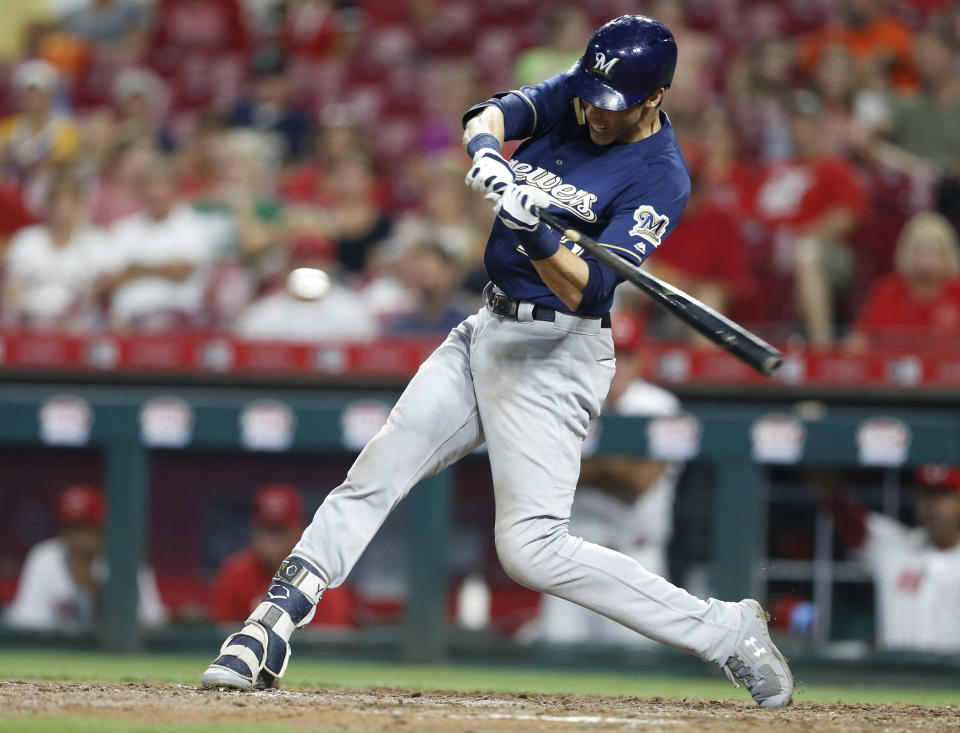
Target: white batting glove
{"x":490,"y":172}
{"x":519,"y":206}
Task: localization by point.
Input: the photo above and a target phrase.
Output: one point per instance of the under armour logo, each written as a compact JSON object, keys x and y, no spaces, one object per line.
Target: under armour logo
{"x":602,"y":66}
{"x":752,"y":644}
{"x":278,"y":591}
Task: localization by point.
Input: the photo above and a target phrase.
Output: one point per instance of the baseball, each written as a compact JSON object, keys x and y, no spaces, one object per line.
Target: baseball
{"x":308,"y":283}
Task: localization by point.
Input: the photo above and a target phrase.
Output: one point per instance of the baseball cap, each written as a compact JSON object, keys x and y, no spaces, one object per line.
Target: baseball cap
{"x":939,"y":476}
{"x":81,"y":504}
{"x":628,"y":330}
{"x":278,"y":505}
{"x":35,"y":73}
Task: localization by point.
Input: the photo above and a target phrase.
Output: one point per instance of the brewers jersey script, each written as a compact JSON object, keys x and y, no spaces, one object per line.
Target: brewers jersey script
{"x":628,"y":197}
{"x":917,"y":586}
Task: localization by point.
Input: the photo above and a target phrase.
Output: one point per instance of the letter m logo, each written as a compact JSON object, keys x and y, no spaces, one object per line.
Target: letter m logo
{"x":602,"y":66}
{"x":649,"y":226}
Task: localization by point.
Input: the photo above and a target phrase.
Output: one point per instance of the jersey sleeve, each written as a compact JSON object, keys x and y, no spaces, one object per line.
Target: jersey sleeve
{"x":528,"y":111}
{"x":644,"y":217}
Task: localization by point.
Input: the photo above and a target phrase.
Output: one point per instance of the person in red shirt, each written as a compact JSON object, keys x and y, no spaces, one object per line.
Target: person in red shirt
{"x":807,"y":207}
{"x":707,"y":256}
{"x":881,"y":42}
{"x":920,"y":301}
{"x":238,"y":586}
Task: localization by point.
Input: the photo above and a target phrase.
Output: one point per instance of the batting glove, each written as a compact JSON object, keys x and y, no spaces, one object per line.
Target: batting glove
{"x":519,"y":206}
{"x":490,"y":173}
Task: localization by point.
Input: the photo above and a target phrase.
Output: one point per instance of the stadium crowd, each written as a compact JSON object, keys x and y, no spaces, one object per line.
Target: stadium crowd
{"x":165,"y":163}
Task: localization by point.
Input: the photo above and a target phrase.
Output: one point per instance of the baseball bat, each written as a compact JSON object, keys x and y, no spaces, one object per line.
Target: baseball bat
{"x":733,"y":338}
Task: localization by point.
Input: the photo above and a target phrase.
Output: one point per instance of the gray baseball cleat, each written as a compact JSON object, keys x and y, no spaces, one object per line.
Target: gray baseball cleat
{"x":757,"y":662}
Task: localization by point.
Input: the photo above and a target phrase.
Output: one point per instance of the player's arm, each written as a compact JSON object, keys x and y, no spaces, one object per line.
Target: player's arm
{"x":511,"y":115}
{"x":579,"y":280}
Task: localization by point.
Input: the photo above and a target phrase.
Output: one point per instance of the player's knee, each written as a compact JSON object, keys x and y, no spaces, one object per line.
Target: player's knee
{"x":524,"y":552}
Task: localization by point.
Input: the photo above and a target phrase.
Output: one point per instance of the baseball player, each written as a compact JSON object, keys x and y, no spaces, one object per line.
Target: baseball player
{"x":916,"y":570}
{"x":528,"y":372}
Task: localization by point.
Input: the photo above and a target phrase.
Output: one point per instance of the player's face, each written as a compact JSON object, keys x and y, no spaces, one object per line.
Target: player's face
{"x":607,"y":127}
{"x":938,"y":512}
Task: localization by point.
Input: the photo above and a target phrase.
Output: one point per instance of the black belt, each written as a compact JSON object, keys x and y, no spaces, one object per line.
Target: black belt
{"x":503,"y":306}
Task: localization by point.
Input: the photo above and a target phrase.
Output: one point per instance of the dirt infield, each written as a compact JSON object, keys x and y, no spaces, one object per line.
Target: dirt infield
{"x":376,"y":709}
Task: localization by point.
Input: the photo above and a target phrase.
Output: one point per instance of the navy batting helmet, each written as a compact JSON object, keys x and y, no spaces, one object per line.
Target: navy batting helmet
{"x":626,"y":61}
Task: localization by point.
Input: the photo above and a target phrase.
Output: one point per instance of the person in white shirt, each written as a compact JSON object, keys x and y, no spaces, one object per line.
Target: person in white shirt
{"x":49,"y":268}
{"x":160,"y":260}
{"x":341,"y":315}
{"x":622,"y":502}
{"x":916,"y":570}
{"x":62,"y":577}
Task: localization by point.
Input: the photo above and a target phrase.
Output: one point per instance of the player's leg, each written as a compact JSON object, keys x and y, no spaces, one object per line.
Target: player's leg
{"x":434,"y":423}
{"x":537,"y":387}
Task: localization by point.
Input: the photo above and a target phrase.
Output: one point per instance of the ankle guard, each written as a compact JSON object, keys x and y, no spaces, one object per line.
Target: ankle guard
{"x":290,"y":602}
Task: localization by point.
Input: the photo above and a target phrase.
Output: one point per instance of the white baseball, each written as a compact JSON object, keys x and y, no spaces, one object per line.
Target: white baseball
{"x":308,"y":283}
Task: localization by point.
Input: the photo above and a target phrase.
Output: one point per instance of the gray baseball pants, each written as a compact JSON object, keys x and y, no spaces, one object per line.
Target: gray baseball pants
{"x":529,"y":388}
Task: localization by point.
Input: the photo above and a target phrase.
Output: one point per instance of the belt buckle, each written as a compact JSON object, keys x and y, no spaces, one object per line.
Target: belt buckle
{"x":502,"y":305}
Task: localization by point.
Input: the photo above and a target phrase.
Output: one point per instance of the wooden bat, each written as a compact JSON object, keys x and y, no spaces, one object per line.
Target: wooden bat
{"x":733,"y":338}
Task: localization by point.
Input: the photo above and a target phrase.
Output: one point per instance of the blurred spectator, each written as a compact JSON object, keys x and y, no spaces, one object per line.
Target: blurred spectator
{"x":340,"y":315}
{"x":566,"y":36}
{"x":923,"y":126}
{"x":881,"y":42}
{"x":123,"y":167}
{"x":117,"y":28}
{"x":277,"y":525}
{"x":453,"y":88}
{"x":200,"y":46}
{"x":158,"y":261}
{"x":432,"y":275}
{"x":21,"y":20}
{"x":62,"y":578}
{"x":851,"y":108}
{"x":916,"y":570}
{"x":50,"y":268}
{"x":622,"y":502}
{"x":37,"y":137}
{"x":359,"y":225}
{"x":920,"y":302}
{"x":269,"y":108}
{"x":808,"y":206}
{"x":139,"y":98}
{"x":247,"y":164}
{"x":310,"y":28}
{"x":759,"y":84}
{"x":706,"y":255}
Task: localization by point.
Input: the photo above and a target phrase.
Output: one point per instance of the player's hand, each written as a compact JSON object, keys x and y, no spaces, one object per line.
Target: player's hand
{"x":519,"y":206}
{"x":490,"y":172}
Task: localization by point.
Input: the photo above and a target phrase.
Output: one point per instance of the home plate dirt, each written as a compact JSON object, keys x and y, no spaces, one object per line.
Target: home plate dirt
{"x":444,"y":711}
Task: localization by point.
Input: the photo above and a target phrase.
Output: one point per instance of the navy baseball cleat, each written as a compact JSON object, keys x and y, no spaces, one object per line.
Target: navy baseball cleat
{"x":757,"y":662}
{"x":257,"y":656}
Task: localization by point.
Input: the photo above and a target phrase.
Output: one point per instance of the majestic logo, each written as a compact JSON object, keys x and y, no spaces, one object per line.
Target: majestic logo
{"x":577,"y":201}
{"x":650,"y":226}
{"x":602,"y":66}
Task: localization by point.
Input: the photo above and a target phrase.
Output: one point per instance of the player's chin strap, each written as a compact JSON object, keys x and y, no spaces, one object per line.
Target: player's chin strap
{"x":290,"y":602}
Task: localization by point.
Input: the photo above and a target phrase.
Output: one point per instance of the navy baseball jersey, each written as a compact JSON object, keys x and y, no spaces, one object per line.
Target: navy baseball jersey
{"x":627,"y":196}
